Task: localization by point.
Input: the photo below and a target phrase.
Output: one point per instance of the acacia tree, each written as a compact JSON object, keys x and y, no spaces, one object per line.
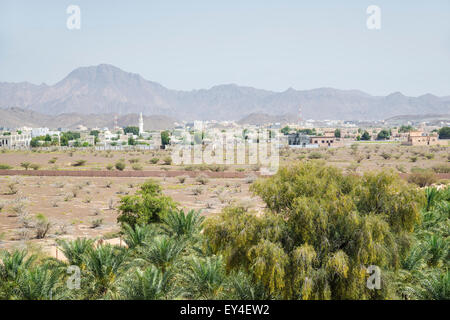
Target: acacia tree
{"x":322,"y":230}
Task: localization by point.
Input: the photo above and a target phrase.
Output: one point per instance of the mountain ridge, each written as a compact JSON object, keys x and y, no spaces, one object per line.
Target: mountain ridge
{"x":106,"y":89}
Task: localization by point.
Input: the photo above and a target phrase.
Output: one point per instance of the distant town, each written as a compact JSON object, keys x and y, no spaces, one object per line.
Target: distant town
{"x":298,"y":134}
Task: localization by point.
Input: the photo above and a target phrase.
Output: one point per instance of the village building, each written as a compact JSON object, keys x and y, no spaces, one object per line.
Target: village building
{"x":14,"y":140}
{"x":420,"y":138}
{"x":326,"y":141}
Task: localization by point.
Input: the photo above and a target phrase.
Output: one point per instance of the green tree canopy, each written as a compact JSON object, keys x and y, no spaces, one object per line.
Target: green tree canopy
{"x":131,"y":129}
{"x":165,"y":138}
{"x":322,"y":230}
{"x":147,"y":206}
{"x":444,"y":133}
{"x":384,"y":134}
{"x":365,"y":136}
{"x":337,"y":133}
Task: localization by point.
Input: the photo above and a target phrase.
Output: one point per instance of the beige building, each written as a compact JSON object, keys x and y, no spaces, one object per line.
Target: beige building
{"x":327,"y":141}
{"x":419,"y":138}
{"x":13,"y":140}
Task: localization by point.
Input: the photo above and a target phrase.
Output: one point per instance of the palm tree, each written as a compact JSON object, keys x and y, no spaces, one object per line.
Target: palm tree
{"x":204,"y":278}
{"x":150,"y":284}
{"x":179,"y":224}
{"x":39,"y":283}
{"x":11,"y":265}
{"x":434,"y":286}
{"x":135,"y":237}
{"x":163,"y":252}
{"x":437,"y":249}
{"x":75,"y":250}
{"x":241,"y":287}
{"x":103,"y":265}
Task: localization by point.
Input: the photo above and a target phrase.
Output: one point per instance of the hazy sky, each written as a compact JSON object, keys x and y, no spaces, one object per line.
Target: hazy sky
{"x":193,"y":44}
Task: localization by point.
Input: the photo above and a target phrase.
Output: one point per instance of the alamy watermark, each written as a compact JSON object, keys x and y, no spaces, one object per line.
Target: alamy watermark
{"x":374,"y":280}
{"x":227,"y":147}
{"x":74,"y":20}
{"x":373,"y":21}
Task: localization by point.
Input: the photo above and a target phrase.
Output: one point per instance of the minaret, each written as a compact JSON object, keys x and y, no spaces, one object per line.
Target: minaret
{"x":300,"y":118}
{"x":141,"y":124}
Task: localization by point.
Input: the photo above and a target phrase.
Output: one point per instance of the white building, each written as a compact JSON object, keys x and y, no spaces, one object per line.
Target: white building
{"x":141,"y":124}
{"x":13,"y":140}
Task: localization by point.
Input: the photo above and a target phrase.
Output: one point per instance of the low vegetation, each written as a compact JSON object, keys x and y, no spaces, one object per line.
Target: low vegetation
{"x":320,"y":233}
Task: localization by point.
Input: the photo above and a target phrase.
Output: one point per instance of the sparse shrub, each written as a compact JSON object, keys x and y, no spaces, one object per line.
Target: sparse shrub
{"x":137,"y":167}
{"x":52,"y":160}
{"x":385,"y":155}
{"x":181,"y":179}
{"x":442,"y":169}
{"x":111,"y":204}
{"x":79,"y":163}
{"x":60,"y":185}
{"x":202,"y":179}
{"x":154,"y":160}
{"x":5,"y":167}
{"x":35,"y":166}
{"x":109,"y":167}
{"x":134,"y":160}
{"x":120,"y":165}
{"x":12,"y":188}
{"x":25,"y":165}
{"x":96,"y":223}
{"x":413,"y":158}
{"x":217,"y":167}
{"x":197,"y":191}
{"x":167,"y":161}
{"x":42,"y":226}
{"x":422,"y":179}
{"x":250,"y":178}
{"x":429,"y":156}
{"x":315,"y":155}
{"x":401,"y":168}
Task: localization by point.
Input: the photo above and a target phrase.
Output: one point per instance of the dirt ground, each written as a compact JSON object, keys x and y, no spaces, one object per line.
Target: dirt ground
{"x":87,"y":207}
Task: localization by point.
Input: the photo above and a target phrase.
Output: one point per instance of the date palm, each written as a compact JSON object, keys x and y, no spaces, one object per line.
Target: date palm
{"x":163,"y":252}
{"x":135,"y":237}
{"x":76,"y":249}
{"x":179,"y":224}
{"x":204,"y":278}
{"x":11,"y":265}
{"x":103,"y":265}
{"x":39,"y":283}
{"x":150,"y":284}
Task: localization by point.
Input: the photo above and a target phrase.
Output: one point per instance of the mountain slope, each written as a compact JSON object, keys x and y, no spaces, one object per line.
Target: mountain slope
{"x":16,"y":117}
{"x":107,"y":89}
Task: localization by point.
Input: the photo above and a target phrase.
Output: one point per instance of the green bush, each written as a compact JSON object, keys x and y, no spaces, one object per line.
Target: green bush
{"x":120,"y":165}
{"x":148,"y":205}
{"x":79,"y":163}
{"x":5,"y":167}
{"x":422,"y":179}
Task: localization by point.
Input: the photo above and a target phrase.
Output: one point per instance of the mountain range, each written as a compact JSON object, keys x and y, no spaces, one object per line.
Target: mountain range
{"x":17,"y":118}
{"x":108,"y":90}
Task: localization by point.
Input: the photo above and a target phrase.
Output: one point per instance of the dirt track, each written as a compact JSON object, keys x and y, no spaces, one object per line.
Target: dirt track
{"x":143,"y":174}
{"x":100,"y":173}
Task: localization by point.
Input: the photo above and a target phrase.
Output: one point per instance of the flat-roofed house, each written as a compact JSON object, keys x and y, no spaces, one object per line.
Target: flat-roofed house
{"x":420,"y":138}
{"x":327,"y":140}
{"x":12,"y":141}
